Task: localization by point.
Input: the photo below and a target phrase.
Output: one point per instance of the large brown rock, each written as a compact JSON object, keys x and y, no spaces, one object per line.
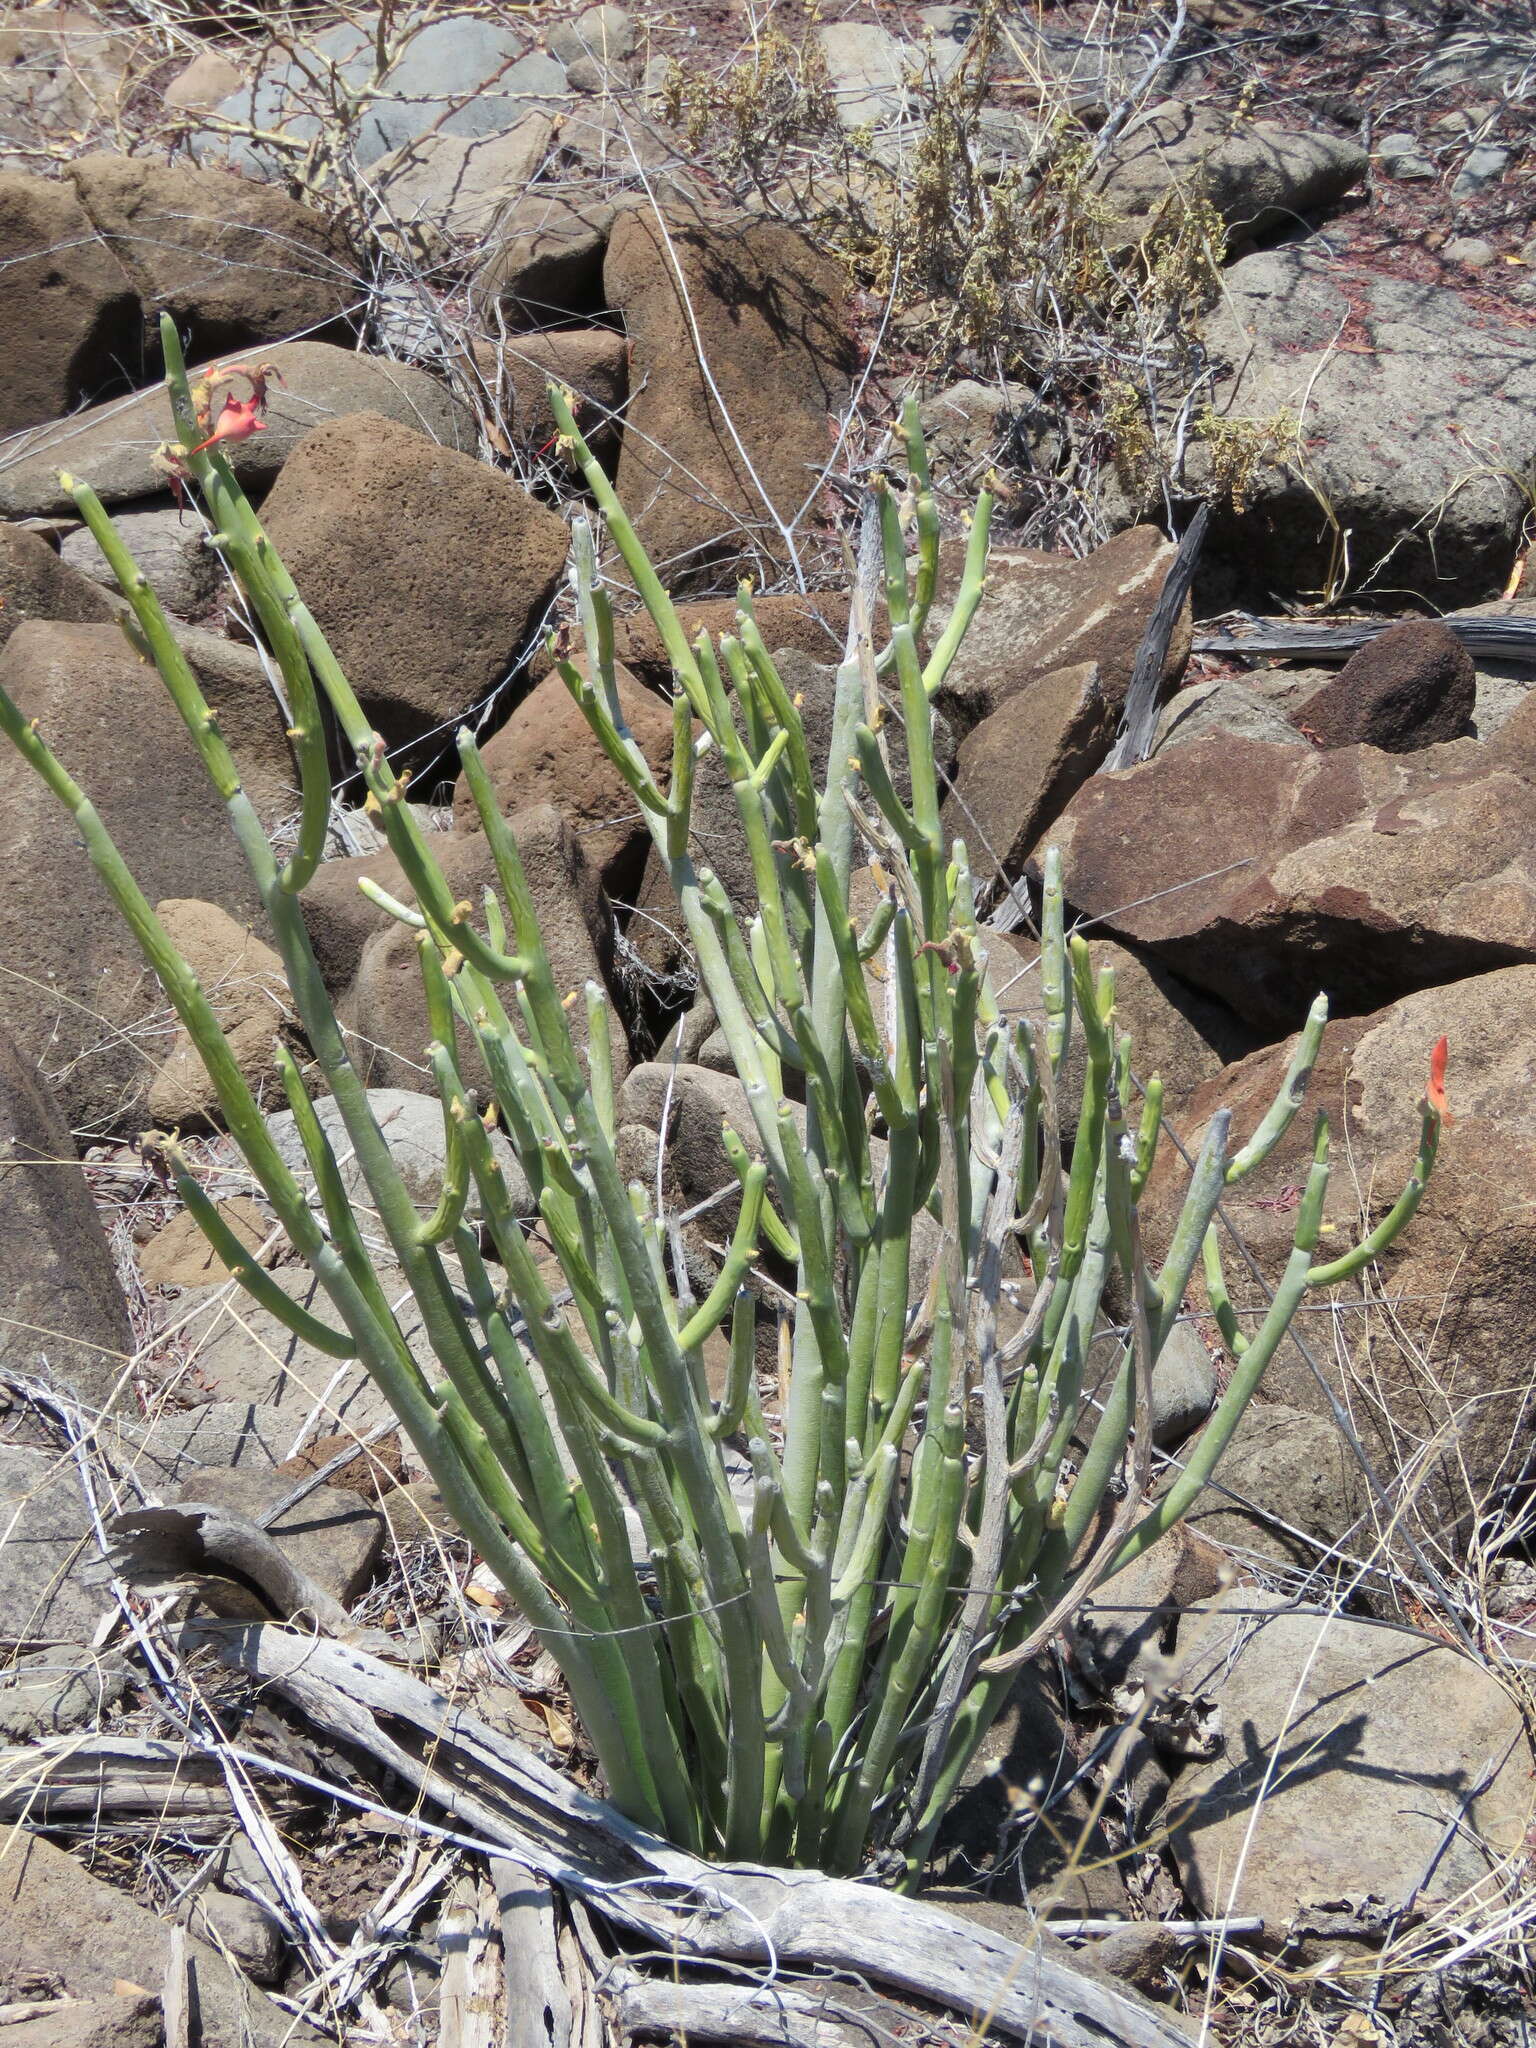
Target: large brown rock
{"x":812,"y":622}
{"x":69,"y":315}
{"x":1411,"y":687}
{"x":80,"y":1000}
{"x":243,"y":979}
{"x":1435,"y":1377}
{"x":740,"y":354}
{"x":592,"y":363}
{"x":65,"y":1315}
{"x":545,"y":260}
{"x":547,"y":753}
{"x":1176,"y":1032}
{"x":110,"y":446}
{"x":658,"y":931}
{"x":1018,"y":770}
{"x":36,"y":584}
{"x":235,"y":263}
{"x":428,"y":572}
{"x":1040,"y":613}
{"x":369,"y":960}
{"x":1267,"y":873}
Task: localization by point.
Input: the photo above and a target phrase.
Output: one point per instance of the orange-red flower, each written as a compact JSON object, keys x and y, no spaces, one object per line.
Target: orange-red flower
{"x":238,"y":418}
{"x":1434,"y":1094}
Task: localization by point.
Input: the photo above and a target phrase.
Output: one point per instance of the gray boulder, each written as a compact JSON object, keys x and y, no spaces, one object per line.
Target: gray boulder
{"x":110,"y":446}
{"x":1345,"y":1739}
{"x":65,"y":1315}
{"x":413,"y":1130}
{"x":166,"y":541}
{"x":1258,"y":176}
{"x":461,"y":75}
{"x":1225,"y":706}
{"x":1418,"y":413}
{"x":45,"y":1537}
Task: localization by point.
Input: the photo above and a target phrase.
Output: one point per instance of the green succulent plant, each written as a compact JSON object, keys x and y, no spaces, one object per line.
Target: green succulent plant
{"x":799,"y":1669}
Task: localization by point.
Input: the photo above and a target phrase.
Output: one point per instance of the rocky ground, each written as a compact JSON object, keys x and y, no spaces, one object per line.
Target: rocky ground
{"x":1276,"y":259}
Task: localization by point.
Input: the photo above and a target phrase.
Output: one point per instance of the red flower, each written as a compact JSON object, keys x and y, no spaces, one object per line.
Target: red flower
{"x":1434,"y":1094}
{"x":238,"y":418}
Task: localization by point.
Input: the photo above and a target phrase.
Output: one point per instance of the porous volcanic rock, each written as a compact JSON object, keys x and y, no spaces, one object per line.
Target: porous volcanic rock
{"x":545,"y":260}
{"x":166,"y":543}
{"x":1409,"y":687}
{"x":1178,"y":1033}
{"x":369,"y":960}
{"x":427,"y":571}
{"x":1018,"y":770}
{"x":768,"y":314}
{"x":69,"y":316}
{"x":813,"y":622}
{"x":243,"y":979}
{"x":1258,"y":176}
{"x":234,"y":263}
{"x":439,"y":188}
{"x":591,"y":362}
{"x":111,"y":446}
{"x":1040,"y":613}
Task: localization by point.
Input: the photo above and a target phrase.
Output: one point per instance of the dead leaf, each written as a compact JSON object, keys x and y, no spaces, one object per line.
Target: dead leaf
{"x":561,"y":1733}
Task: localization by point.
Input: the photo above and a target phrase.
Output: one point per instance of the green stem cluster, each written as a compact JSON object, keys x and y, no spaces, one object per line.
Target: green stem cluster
{"x":800,"y":1671}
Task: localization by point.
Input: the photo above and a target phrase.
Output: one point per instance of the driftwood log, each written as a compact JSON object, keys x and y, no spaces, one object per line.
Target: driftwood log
{"x":744,"y":1917}
{"x":1511,"y":639}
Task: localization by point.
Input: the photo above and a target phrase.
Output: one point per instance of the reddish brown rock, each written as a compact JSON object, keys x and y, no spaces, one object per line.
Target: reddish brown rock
{"x":1039,"y":613}
{"x":546,"y":753}
{"x":1018,"y":770}
{"x":1265,"y":873}
{"x":1437,"y":1377}
{"x":244,"y":981}
{"x":1411,"y":687}
{"x":428,"y":572}
{"x":545,"y":260}
{"x":369,"y":959}
{"x":814,"y":623}
{"x":767,"y":313}
{"x":234,"y":262}
{"x":80,"y":999}
{"x":69,"y":315}
{"x":1176,"y":1032}
{"x":590,"y":362}
{"x":657,"y":933}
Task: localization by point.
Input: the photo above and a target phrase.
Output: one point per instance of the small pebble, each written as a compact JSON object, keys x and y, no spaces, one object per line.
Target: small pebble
{"x":1483,"y":165}
{"x":1470,"y":250}
{"x":1401,"y":157}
